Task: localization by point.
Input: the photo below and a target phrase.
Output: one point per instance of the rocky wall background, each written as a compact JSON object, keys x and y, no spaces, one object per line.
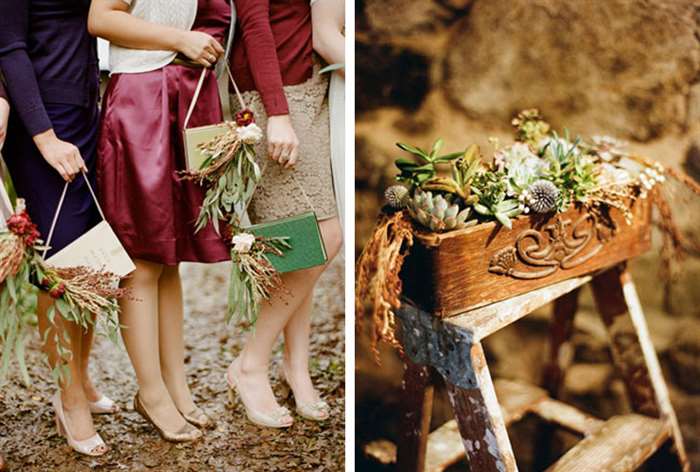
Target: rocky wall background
{"x":460,"y":69}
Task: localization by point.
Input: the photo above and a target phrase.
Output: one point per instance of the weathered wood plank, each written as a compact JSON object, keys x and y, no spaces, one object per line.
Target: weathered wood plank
{"x":416,"y":411}
{"x":445,"y":445}
{"x":482,"y":322}
{"x":634,"y":354}
{"x":480,"y":420}
{"x":559,"y":356}
{"x":567,"y":416}
{"x":622,"y":444}
{"x":449,"y":273}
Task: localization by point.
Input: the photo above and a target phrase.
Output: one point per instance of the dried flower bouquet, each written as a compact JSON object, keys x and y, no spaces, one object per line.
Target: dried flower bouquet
{"x":230,"y":175}
{"x":80,"y":295}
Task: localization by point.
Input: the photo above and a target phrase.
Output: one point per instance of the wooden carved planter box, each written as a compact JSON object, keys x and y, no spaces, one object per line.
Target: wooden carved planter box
{"x":450,"y":273}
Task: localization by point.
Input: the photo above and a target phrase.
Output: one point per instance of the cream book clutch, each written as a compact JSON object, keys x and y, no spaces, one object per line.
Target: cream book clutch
{"x":195,"y":137}
{"x":98,"y":249}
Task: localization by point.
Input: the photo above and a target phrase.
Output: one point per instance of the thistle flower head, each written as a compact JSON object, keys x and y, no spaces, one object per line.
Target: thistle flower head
{"x":396,"y":196}
{"x":542,"y":196}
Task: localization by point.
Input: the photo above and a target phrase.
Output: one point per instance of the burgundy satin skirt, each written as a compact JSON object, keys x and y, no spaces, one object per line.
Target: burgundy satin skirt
{"x":140,"y":151}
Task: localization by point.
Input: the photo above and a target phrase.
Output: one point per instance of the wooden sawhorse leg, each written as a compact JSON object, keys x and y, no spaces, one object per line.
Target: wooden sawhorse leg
{"x":416,"y":412}
{"x":634,"y":355}
{"x":559,"y":358}
{"x":480,"y":420}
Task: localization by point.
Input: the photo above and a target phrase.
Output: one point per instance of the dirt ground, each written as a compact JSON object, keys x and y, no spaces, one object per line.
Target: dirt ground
{"x":29,"y":441}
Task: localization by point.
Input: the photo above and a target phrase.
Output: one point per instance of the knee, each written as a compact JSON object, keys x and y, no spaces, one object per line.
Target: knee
{"x":145,"y":273}
{"x":332,"y":234}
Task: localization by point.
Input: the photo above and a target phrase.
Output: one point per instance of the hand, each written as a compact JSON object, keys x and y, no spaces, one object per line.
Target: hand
{"x":4,"y":118}
{"x":62,"y":156}
{"x":200,"y":47}
{"x":282,"y":142}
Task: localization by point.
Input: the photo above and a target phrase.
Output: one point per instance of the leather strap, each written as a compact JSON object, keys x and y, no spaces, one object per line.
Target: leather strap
{"x":60,"y":206}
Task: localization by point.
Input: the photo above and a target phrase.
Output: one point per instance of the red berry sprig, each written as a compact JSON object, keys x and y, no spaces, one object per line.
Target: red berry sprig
{"x":21,"y":225}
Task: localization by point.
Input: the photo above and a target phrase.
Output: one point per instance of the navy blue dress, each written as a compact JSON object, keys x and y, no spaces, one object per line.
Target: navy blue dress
{"x":50,"y":65}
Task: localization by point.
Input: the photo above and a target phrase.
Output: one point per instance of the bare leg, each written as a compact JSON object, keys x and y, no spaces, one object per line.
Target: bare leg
{"x":75,"y":404}
{"x":296,"y":352}
{"x":139,"y":316}
{"x":251,"y":367}
{"x":91,"y":393}
{"x":172,"y":344}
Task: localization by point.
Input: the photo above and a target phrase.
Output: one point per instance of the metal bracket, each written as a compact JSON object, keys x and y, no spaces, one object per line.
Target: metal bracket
{"x":428,"y":340}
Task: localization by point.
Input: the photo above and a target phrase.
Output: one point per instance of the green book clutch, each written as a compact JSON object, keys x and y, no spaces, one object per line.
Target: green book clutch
{"x":304,"y":237}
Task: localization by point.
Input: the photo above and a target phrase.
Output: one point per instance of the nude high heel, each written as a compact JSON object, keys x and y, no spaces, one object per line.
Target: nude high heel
{"x":187,"y":433}
{"x":279,"y":418}
{"x":199,"y":418}
{"x":104,"y":406}
{"x":93,"y":446}
{"x":318,"y":410}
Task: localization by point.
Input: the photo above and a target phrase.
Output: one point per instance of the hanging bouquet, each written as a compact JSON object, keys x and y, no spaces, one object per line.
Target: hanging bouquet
{"x":229,"y":173}
{"x":541,"y":172}
{"x":253,"y":277}
{"x":81,"y":295}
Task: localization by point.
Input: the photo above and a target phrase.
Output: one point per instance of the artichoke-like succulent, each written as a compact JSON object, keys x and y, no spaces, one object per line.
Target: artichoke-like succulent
{"x":437,"y":212}
{"x":542,"y":196}
{"x":396,"y":196}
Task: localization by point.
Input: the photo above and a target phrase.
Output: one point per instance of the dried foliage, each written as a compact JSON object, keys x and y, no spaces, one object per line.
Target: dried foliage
{"x":377,"y":277}
{"x":229,"y":174}
{"x":253,"y":278}
{"x":81,"y":295}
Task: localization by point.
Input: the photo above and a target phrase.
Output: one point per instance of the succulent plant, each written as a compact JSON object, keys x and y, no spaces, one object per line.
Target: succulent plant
{"x":438,"y":212}
{"x":396,"y":196}
{"x":464,"y":170}
{"x":424,"y":165}
{"x":530,"y":126}
{"x":542,"y":196}
{"x":491,"y":187}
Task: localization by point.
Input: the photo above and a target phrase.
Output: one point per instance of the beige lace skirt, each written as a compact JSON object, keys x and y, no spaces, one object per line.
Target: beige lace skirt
{"x":279,"y":195}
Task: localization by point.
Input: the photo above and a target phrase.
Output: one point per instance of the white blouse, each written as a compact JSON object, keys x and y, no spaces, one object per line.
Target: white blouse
{"x":175,"y":13}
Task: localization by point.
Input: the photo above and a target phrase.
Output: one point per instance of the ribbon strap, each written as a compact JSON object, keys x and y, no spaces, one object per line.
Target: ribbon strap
{"x":60,"y":206}
{"x":198,"y":91}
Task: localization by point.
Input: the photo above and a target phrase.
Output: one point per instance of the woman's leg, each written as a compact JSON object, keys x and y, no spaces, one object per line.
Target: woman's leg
{"x":172,"y":343}
{"x":298,"y":330}
{"x":75,"y":404}
{"x":91,"y":393}
{"x":251,"y":367}
{"x":139,"y":316}
{"x":296,"y":352}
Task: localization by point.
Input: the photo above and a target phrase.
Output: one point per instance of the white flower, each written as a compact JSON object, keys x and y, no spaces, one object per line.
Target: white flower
{"x":522,"y":166}
{"x":250,"y":134}
{"x":608,"y":147}
{"x":243,"y":242}
{"x":612,"y":175}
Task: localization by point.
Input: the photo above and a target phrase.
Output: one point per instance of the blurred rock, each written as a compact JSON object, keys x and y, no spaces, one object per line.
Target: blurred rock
{"x":389,"y":75}
{"x":684,"y":356}
{"x":692,"y":159}
{"x":403,"y":17}
{"x":624,"y":67}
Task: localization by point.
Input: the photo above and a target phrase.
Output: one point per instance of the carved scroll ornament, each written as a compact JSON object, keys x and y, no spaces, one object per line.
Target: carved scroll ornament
{"x":561,"y":245}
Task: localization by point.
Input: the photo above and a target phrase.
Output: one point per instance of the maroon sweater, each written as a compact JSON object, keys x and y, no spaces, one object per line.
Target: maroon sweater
{"x":273,"y":48}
